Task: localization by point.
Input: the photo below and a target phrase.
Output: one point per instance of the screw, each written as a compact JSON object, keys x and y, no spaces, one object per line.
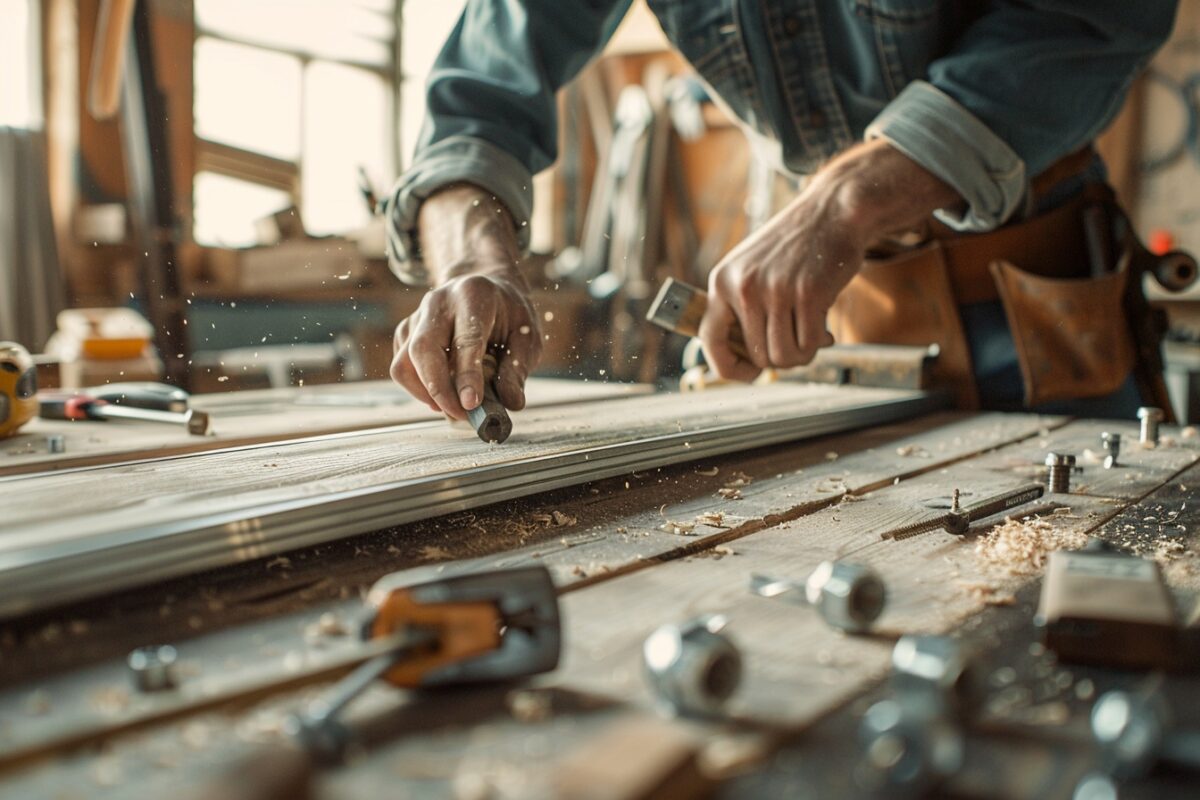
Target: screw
{"x":56,"y":443}
{"x":1150,"y":418}
{"x":1134,"y":732}
{"x":1058,"y":479}
{"x":1111,"y":442}
{"x":693,"y":668}
{"x":849,"y":597}
{"x":153,"y":668}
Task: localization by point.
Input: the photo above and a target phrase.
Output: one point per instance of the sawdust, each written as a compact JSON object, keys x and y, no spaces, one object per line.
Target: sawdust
{"x":1019,"y":547}
{"x":988,"y":594}
{"x":713,"y":519}
{"x":432,"y":552}
{"x":910,"y":450}
{"x":730,"y":493}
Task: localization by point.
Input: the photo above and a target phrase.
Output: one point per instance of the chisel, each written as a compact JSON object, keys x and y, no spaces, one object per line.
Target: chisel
{"x":79,"y":406}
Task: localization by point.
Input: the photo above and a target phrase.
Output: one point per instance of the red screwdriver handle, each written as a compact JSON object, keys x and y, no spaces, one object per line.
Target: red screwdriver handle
{"x":67,"y":406}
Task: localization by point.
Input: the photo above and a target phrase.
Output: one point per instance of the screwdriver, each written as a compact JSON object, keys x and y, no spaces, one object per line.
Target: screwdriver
{"x":81,"y":406}
{"x":958,"y":519}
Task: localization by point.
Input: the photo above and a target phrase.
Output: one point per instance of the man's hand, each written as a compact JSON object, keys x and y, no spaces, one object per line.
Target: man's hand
{"x":779,"y":283}
{"x":480,"y":300}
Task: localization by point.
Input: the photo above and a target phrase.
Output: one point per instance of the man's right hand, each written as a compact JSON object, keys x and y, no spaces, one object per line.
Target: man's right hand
{"x":439,"y":349}
{"x":480,"y":301}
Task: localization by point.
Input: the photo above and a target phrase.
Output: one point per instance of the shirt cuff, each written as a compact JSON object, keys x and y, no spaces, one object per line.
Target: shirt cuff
{"x":932,"y":129}
{"x":456,"y":159}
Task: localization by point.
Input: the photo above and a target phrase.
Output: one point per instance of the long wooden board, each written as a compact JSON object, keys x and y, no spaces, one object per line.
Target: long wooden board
{"x":242,"y":419}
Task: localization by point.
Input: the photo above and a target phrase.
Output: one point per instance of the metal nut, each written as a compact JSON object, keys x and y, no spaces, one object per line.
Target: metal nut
{"x":1150,"y":417}
{"x":937,"y":674}
{"x":1059,"y":468}
{"x":906,"y":751}
{"x":693,"y":668}
{"x":850,"y":597}
{"x":56,"y":443}
{"x":153,"y":668}
{"x":1111,"y":442}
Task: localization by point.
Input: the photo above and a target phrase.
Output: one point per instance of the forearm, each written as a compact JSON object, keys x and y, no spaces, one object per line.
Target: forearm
{"x":876,"y":190}
{"x":464,"y":230}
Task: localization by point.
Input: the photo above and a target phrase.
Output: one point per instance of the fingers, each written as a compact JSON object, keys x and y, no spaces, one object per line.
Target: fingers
{"x":782,"y":347}
{"x":518,"y":359}
{"x":810,"y":331}
{"x":402,"y":370}
{"x":715,"y":328}
{"x":429,"y":348}
{"x":473,"y":323}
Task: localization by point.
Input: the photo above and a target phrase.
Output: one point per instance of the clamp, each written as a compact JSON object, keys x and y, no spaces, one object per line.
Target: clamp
{"x":439,"y":631}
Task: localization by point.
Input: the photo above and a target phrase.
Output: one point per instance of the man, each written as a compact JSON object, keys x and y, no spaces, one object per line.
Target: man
{"x":899,"y":110}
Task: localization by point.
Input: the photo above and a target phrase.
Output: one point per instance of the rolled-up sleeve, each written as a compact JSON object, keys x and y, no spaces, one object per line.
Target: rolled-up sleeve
{"x":1027,"y":83}
{"x":491,"y":116}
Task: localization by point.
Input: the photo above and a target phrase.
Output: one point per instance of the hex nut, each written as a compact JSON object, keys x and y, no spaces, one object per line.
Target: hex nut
{"x":692,"y":668}
{"x":849,"y":597}
{"x":906,"y":751}
{"x":153,"y":668}
{"x":937,"y":673}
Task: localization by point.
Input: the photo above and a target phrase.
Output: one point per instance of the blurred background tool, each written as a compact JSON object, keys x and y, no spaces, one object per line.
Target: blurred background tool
{"x":81,"y":406}
{"x":18,"y":388}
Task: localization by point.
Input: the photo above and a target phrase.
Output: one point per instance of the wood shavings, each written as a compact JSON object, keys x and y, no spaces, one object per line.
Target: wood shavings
{"x":279,"y":562}
{"x":713,"y":519}
{"x":738,"y":480}
{"x":730,"y":493}
{"x":988,"y":594}
{"x":435,"y":553}
{"x":678,"y":528}
{"x":1189,"y":432}
{"x":1021,"y":546}
{"x":327,"y":625}
{"x":911,"y":450}
{"x":530,"y":705}
{"x":555,"y":519}
{"x":831,"y":456}
{"x":709,"y":472}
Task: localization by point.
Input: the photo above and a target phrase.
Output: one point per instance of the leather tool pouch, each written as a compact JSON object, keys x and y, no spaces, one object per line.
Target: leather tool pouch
{"x":1071,"y":335}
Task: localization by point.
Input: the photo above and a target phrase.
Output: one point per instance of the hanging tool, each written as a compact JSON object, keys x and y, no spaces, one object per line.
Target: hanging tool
{"x":957,"y":520}
{"x":80,"y":406}
{"x":849,"y":597}
{"x":18,"y":388}
{"x":490,"y":418}
{"x":693,"y":668}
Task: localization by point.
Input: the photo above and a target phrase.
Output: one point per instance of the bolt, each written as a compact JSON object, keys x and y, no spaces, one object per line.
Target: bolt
{"x":1150,"y":417}
{"x":693,"y":668}
{"x":849,"y":597}
{"x":1111,"y":442}
{"x":153,"y":668}
{"x":1058,"y":479}
{"x":906,"y":751}
{"x":937,"y":674}
{"x":56,"y":443}
{"x":1134,"y":733}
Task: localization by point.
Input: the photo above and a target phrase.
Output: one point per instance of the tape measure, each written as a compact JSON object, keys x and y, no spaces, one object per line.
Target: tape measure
{"x":18,"y":388}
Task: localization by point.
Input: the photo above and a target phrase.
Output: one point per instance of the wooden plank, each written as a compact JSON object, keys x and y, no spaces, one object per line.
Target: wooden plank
{"x":249,"y":418}
{"x":784,"y":482}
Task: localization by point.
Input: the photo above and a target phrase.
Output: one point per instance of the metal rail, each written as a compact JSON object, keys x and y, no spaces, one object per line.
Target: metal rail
{"x":43,"y":576}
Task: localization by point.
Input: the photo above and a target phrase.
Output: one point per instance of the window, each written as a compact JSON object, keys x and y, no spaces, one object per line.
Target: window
{"x":292,"y":97}
{"x":19,"y":98}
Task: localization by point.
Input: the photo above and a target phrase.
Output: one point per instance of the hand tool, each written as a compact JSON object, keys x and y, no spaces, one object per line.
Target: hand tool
{"x":907,"y":751}
{"x":1134,"y":732}
{"x":1099,"y":605}
{"x":143,"y":394}
{"x":1150,"y":417}
{"x":1111,"y":442}
{"x":18,"y":387}
{"x":79,"y":406}
{"x":939,"y":674}
{"x":693,"y":668}
{"x":1059,"y":467}
{"x":430,"y":629}
{"x":490,"y":418}
{"x":153,"y":668}
{"x":679,"y":308}
{"x":849,"y":597}
{"x":958,"y":518}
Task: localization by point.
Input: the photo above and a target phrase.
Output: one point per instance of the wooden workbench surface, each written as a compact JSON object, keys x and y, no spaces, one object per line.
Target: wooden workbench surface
{"x":629,"y":554}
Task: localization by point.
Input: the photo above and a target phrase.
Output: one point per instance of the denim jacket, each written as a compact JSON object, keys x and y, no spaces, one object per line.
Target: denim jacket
{"x":984,"y":94}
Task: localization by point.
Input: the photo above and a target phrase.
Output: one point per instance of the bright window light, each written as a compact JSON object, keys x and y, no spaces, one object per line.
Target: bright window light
{"x":225,"y":209}
{"x":248,"y":97}
{"x":18,"y":102}
{"x":345,"y":125}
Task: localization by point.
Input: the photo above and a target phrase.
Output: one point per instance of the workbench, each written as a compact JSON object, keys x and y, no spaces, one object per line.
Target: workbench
{"x":629,"y":551}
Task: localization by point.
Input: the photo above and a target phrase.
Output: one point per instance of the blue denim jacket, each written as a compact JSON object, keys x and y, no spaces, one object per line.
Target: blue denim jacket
{"x":983,"y":93}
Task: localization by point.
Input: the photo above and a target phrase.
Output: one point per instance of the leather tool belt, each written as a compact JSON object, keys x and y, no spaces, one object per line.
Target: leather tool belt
{"x":1070,"y":281}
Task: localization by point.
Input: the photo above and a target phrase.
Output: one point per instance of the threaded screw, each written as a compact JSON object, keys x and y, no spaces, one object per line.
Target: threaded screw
{"x":1058,"y":478}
